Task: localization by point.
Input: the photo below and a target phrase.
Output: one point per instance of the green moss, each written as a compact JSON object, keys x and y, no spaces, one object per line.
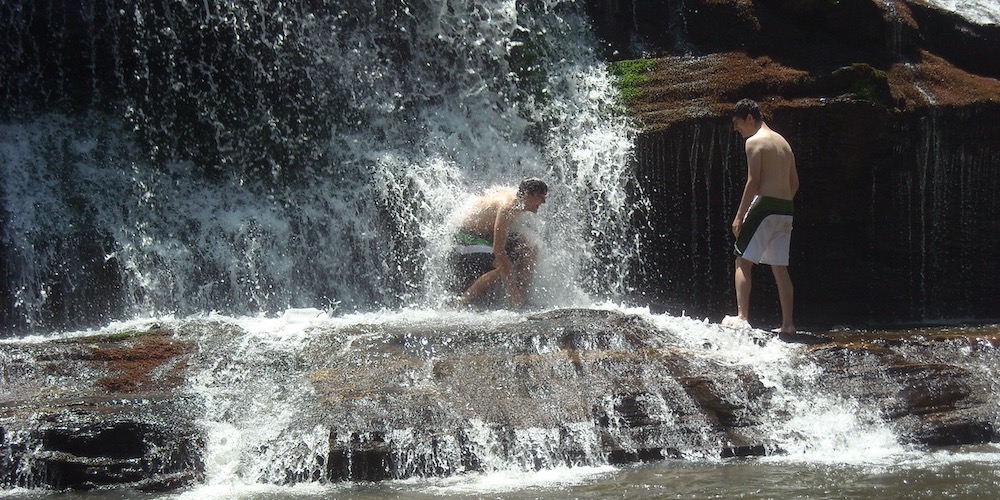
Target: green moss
{"x":864,"y":81}
{"x":631,"y":75}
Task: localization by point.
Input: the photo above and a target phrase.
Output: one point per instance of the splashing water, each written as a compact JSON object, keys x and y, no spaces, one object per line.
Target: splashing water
{"x":269,"y":421}
{"x":809,"y":426}
{"x":977,"y":11}
{"x":326,"y":173}
{"x":245,"y":157}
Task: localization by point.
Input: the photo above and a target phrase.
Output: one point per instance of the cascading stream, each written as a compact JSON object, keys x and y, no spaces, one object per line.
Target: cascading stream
{"x":289,"y":179}
{"x":247,"y":157}
{"x":311,"y":398}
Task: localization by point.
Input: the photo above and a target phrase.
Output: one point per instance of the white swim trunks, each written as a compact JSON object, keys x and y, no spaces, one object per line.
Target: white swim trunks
{"x":767,"y":231}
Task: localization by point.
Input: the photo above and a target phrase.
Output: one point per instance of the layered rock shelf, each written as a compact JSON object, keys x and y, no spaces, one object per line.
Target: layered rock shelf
{"x":564,"y":387}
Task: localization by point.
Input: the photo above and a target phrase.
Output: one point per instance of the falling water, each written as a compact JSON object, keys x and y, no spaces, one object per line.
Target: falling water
{"x":166,"y":159}
{"x":307,"y":398}
{"x":297,"y":171}
{"x":246,"y":157}
{"x":977,"y":11}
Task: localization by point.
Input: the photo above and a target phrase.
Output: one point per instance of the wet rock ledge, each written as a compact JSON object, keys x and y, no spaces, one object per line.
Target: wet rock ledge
{"x":119,"y":411}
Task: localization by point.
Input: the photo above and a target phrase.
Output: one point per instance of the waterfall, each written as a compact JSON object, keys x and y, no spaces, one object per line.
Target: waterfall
{"x":934,"y":205}
{"x":895,"y":28}
{"x":977,"y":11}
{"x":694,"y":177}
{"x":245,"y":156}
{"x":310,"y":398}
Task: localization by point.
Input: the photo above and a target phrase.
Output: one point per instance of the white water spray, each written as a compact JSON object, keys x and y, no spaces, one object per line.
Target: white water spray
{"x":977,"y":11}
{"x":325,"y":173}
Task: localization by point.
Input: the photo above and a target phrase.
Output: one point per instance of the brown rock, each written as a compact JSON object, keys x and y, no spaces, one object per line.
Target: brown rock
{"x":565,"y":387}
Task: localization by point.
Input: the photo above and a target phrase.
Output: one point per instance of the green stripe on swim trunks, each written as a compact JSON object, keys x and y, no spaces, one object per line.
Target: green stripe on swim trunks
{"x":471,"y":239}
{"x":759,"y":211}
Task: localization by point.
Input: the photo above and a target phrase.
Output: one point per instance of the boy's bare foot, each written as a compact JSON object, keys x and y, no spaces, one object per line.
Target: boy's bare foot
{"x":735,"y":322}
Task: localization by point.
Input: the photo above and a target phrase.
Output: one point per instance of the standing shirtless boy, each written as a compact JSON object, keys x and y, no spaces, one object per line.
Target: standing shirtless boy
{"x":490,"y":229}
{"x":763,"y":222}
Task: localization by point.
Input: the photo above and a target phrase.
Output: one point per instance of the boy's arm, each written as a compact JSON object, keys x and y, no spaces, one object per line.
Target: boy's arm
{"x":752,"y":186}
{"x":501,"y":233}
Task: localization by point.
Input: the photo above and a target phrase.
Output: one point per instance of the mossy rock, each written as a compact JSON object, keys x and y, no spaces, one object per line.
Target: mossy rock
{"x":631,"y":75}
{"x":861,"y":80}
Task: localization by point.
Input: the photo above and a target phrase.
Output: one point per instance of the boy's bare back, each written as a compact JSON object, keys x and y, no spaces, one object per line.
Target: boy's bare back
{"x":770,"y":157}
{"x":481,"y":219}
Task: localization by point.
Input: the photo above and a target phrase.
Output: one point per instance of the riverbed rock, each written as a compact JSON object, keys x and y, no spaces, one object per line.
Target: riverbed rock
{"x":931,"y":388}
{"x":439,"y":397}
{"x":98,"y":411}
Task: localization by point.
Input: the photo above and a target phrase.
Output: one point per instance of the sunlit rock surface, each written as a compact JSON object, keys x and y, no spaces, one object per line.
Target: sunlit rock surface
{"x":99,"y":411}
{"x":152,"y":409}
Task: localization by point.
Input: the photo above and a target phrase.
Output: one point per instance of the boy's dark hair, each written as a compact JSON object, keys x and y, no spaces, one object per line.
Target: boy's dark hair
{"x":747,"y":107}
{"x":532,"y":185}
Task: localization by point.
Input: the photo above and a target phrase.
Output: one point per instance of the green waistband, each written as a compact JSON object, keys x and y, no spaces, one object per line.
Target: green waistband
{"x":464,"y":238}
{"x":774,"y":205}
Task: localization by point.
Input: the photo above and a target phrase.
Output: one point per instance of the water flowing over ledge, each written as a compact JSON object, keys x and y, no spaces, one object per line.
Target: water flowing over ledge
{"x":242,"y":156}
{"x":245,"y":157}
{"x":306,"y":398}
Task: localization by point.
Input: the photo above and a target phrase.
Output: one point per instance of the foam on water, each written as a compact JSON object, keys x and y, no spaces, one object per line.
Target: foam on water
{"x":415,"y":107}
{"x":977,"y":11}
{"x":251,"y":491}
{"x":258,"y":425}
{"x":458,"y":486}
{"x":816,"y":427}
{"x":508,"y":481}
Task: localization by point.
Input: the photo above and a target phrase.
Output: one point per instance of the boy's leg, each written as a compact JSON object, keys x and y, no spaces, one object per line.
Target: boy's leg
{"x":786,"y":295}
